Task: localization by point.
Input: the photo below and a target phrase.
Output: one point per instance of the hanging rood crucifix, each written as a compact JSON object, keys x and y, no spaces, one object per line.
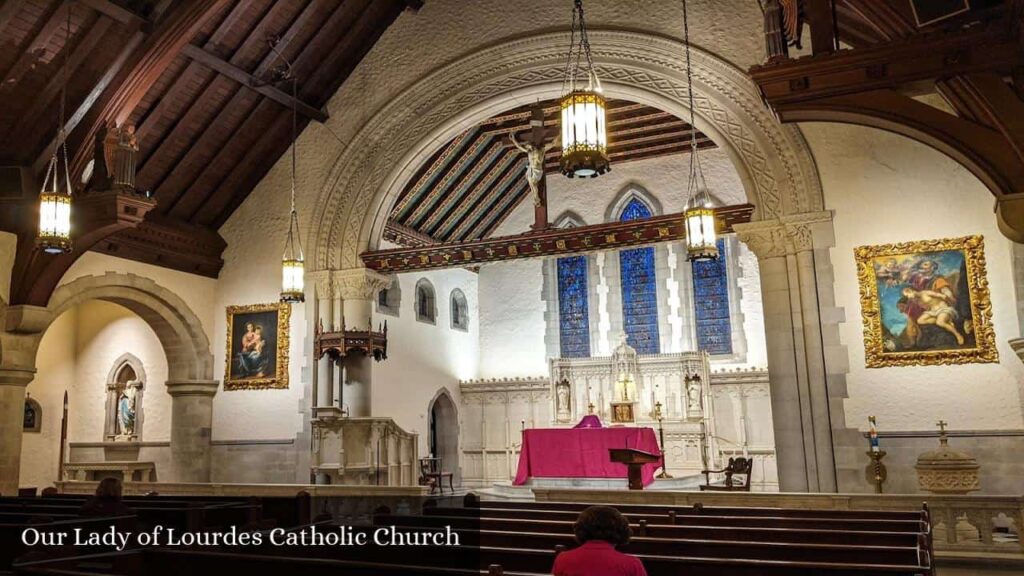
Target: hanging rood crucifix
{"x":535,"y":150}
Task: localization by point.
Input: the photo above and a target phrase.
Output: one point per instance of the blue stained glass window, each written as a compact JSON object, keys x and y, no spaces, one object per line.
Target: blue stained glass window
{"x":573,"y":316}
{"x":711,"y":304}
{"x":639,"y":289}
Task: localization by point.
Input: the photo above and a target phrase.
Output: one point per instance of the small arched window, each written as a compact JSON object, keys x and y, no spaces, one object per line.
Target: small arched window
{"x":460,"y":311}
{"x":389,"y":300}
{"x":426,"y":307}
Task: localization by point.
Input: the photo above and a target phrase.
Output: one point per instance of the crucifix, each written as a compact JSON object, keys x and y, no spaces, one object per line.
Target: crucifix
{"x":942,"y":426}
{"x":535,"y":150}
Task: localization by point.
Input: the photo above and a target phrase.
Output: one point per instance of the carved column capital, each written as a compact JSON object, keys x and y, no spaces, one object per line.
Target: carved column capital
{"x":766,"y":239}
{"x":359,"y":283}
{"x":322,"y":283}
{"x":783,"y":236}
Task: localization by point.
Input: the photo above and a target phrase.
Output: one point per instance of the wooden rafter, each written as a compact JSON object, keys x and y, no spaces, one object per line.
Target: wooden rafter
{"x":547,"y":243}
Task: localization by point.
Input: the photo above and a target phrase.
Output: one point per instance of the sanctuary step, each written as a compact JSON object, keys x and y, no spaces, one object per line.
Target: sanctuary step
{"x":507,"y":491}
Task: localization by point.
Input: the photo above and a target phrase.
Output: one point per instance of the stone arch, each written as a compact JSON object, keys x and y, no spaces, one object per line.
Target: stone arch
{"x":773,"y":161}
{"x":176,"y":326}
{"x":629,"y":192}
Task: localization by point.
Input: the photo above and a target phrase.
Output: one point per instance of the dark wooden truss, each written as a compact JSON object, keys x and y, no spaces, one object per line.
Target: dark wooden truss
{"x":549,"y":242}
{"x":469,"y":186}
{"x":198,"y":81}
{"x":976,"y":68}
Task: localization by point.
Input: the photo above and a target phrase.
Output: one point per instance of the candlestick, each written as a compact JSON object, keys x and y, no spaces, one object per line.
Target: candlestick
{"x":661,"y":437}
{"x":873,"y":434}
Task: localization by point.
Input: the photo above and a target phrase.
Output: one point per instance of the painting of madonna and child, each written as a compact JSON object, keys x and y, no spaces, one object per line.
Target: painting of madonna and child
{"x":257,"y":347}
{"x":926,"y":303}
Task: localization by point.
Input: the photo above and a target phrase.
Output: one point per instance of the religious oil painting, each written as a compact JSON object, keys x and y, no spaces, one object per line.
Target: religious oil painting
{"x":926,"y":303}
{"x":257,"y":353}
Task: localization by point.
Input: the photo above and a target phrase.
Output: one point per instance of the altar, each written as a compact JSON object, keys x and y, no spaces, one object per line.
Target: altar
{"x":581,"y":453}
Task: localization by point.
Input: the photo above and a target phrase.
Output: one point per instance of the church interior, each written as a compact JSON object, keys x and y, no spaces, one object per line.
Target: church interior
{"x":509,"y":259}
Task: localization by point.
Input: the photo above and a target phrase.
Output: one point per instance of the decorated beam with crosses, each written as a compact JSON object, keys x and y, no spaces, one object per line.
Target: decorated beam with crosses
{"x":548,"y":242}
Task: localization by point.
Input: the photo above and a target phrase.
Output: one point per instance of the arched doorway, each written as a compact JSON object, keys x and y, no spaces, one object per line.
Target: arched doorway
{"x":443,"y":433}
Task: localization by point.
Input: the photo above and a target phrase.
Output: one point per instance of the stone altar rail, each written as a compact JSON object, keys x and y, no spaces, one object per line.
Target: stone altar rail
{"x":965,"y":526}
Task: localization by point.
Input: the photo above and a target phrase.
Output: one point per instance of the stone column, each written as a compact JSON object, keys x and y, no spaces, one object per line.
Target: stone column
{"x":1018,"y":278}
{"x":322,"y":375}
{"x":358,"y":287}
{"x":806,"y":362}
{"x":191,"y":423}
{"x":12,"y":410}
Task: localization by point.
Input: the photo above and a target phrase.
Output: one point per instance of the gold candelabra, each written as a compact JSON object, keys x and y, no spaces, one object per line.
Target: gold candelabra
{"x":661,"y":436}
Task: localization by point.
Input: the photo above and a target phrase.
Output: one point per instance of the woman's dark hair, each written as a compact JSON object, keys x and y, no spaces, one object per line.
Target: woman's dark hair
{"x":109,"y":489}
{"x":602,"y":523}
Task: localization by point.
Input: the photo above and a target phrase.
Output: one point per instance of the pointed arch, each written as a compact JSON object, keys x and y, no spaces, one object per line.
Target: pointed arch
{"x":629,"y":194}
{"x":569,"y":219}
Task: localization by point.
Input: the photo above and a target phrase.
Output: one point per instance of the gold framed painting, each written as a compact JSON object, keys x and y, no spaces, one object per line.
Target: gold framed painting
{"x":257,"y":347}
{"x":926,"y":303}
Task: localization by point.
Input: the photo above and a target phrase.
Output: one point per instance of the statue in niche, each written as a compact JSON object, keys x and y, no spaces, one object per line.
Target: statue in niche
{"x":31,"y":421}
{"x":534,"y":163}
{"x":562,"y":406}
{"x":693,"y":394}
{"x":126,"y":404}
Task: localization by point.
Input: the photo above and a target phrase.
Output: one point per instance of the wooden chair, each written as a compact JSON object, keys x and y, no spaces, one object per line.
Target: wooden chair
{"x":431,"y":474}
{"x":737,"y":466}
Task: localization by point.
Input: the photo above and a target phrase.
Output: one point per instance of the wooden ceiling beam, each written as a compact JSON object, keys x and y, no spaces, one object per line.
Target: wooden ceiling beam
{"x":174,"y":30}
{"x":7,"y":11}
{"x":505,"y":208}
{"x":169,"y":243}
{"x":466,"y":182}
{"x":116,"y":12}
{"x":402,"y":235}
{"x":464,"y":224}
{"x":36,"y":49}
{"x":27,"y":129}
{"x":271,"y":91}
{"x":551,"y":242}
{"x":430,"y":172}
{"x":510,"y":160}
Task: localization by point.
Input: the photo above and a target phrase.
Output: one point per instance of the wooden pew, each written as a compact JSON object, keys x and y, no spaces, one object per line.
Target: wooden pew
{"x":650,"y":509}
{"x":714,"y":533}
{"x":11,"y":546}
{"x":884,"y":525}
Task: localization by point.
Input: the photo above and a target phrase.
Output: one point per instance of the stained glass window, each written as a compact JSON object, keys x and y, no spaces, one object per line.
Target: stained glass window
{"x":711,"y":304}
{"x":639,"y":289}
{"x":573,"y":315}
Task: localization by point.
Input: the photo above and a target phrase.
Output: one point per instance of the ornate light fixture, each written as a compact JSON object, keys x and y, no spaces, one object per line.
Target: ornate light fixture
{"x":584,"y":132}
{"x":701,"y":225}
{"x":293,"y":265}
{"x":54,"y":236}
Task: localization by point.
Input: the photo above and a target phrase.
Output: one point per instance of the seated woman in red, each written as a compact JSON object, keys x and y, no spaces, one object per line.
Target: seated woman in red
{"x":599,"y":529}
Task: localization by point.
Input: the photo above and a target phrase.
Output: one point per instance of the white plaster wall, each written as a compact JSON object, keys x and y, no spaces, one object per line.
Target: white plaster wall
{"x":512,"y":320}
{"x":886,"y":188}
{"x":76,"y":354}
{"x":424,"y":358}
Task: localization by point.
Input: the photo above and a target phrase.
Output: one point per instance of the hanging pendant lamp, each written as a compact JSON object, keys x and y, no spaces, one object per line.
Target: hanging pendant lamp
{"x":54,"y":234}
{"x":701,"y":223}
{"x":293,"y":265}
{"x":584,"y":132}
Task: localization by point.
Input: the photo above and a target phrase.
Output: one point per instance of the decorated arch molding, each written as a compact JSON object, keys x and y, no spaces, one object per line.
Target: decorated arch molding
{"x":773,"y":161}
{"x":176,"y":326}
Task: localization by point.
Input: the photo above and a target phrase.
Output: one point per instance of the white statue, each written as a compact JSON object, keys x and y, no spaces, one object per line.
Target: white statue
{"x":126,"y":409}
{"x":534,"y":163}
{"x":693,"y":396}
{"x":562,"y":395}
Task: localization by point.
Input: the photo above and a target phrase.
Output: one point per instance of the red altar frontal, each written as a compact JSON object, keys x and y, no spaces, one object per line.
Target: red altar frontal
{"x":581,"y":453}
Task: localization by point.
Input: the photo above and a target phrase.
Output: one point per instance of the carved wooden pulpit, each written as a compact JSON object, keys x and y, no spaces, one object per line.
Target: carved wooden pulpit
{"x":634,"y":461}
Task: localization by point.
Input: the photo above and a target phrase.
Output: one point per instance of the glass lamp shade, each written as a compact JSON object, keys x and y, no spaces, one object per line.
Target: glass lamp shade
{"x":584,"y":135}
{"x":701,"y":236}
{"x":54,"y":223}
{"x":292,"y":280}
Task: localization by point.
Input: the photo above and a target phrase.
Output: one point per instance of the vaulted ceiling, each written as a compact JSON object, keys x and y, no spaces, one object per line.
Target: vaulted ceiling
{"x":196,"y":79}
{"x":471,"y":184}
